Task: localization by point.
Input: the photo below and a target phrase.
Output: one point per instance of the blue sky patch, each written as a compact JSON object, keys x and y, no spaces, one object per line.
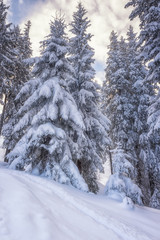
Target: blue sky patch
{"x":21,"y":10}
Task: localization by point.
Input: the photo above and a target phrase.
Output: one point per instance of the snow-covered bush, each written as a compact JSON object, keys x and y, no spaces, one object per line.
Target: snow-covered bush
{"x":120,"y":182}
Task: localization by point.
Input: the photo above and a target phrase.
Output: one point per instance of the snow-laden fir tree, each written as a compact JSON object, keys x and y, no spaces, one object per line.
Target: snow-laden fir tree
{"x":7,"y":56}
{"x":117,"y":89}
{"x":85,"y":92}
{"x":21,"y":75}
{"x":27,"y":48}
{"x":139,"y":99}
{"x":148,"y":12}
{"x":49,"y":117}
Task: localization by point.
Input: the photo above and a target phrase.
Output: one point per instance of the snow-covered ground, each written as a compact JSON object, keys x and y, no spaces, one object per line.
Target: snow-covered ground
{"x":103,"y":177}
{"x":34,"y":208}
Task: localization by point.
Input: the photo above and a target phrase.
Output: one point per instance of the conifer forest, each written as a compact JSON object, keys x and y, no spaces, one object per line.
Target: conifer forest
{"x":58,"y":122}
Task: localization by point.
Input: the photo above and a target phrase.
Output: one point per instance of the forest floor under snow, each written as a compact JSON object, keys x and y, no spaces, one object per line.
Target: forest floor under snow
{"x":35,"y":208}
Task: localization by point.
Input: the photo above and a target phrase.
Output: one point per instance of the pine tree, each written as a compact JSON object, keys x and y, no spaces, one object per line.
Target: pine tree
{"x":140,"y":102}
{"x":22,"y":49}
{"x":7,"y":56}
{"x":49,"y":117}
{"x":119,"y":109}
{"x":148,"y":12}
{"x":27,"y":49}
{"x":85,"y":93}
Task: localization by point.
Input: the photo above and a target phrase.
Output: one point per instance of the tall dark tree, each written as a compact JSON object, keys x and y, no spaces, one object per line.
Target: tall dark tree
{"x":119,"y":107}
{"x":139,"y":99}
{"x":148,"y":12}
{"x":22,"y":49}
{"x":85,"y":92}
{"x":7,"y":56}
{"x":27,"y":49}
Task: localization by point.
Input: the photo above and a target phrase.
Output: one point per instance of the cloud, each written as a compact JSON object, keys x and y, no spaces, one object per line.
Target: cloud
{"x":21,"y":2}
{"x":7,"y":2}
{"x":105,"y":16}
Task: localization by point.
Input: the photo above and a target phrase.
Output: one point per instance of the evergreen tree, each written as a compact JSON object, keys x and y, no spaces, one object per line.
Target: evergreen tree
{"x":27,"y":49}
{"x":7,"y":56}
{"x":85,"y":93}
{"x":21,"y":75}
{"x":140,"y":102}
{"x":148,"y":12}
{"x":119,"y":109}
{"x":49,"y":117}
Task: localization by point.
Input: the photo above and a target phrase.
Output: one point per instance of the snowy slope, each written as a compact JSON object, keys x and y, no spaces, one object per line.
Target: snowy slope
{"x":34,"y":208}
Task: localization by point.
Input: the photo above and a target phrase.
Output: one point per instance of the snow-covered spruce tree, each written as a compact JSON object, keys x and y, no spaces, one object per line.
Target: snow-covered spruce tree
{"x":49,"y":117}
{"x":27,"y":49}
{"x":148,"y":12}
{"x":6,"y":59}
{"x":85,"y":92}
{"x":21,"y":75}
{"x":139,"y":100}
{"x":119,"y":108}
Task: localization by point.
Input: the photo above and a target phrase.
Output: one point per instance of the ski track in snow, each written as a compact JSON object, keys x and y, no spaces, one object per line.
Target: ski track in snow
{"x":36,"y":208}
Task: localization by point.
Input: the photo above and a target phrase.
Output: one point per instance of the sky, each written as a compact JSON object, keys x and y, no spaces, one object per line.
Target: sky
{"x":105,"y":16}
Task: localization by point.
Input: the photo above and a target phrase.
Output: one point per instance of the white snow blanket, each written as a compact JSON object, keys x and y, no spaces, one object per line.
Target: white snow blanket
{"x":34,"y":208}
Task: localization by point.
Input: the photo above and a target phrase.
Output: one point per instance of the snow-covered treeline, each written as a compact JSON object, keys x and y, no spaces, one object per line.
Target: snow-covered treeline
{"x":59,"y":123}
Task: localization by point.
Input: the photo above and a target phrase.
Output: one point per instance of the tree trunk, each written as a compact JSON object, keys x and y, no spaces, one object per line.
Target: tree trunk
{"x":110,"y":160}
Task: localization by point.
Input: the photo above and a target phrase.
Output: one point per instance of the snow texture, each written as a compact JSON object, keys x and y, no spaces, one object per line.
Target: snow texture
{"x":32,"y":207}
